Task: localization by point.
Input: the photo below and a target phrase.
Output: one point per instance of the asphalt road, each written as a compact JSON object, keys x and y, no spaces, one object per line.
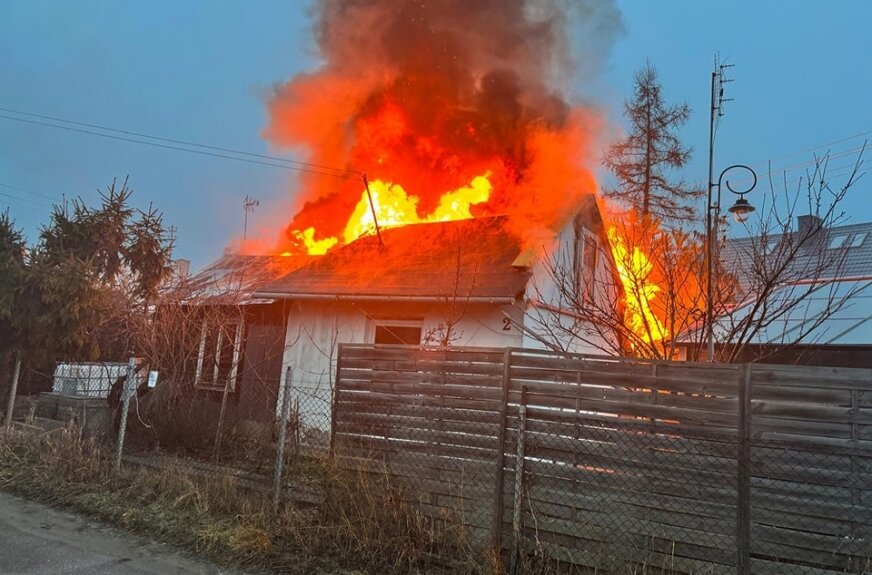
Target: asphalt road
{"x":39,"y":540}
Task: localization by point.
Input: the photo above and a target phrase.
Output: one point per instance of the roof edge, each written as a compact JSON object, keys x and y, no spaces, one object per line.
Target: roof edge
{"x":402,"y":298}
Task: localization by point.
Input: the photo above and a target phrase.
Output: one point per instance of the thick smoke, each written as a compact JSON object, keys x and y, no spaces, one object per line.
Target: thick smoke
{"x":429,"y":94}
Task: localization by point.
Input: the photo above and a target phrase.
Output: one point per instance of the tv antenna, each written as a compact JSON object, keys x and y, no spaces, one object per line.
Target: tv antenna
{"x":248,"y":205}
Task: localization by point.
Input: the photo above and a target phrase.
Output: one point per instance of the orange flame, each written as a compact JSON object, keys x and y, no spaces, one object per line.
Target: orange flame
{"x":634,"y":270}
{"x":394,"y":207}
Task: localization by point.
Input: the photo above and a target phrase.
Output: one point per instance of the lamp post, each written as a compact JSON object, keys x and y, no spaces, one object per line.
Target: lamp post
{"x":741,"y":211}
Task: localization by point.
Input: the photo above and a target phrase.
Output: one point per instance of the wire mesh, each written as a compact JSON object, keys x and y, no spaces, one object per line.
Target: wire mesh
{"x":568,"y":464}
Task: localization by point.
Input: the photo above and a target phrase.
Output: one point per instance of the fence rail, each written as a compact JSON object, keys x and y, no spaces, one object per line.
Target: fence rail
{"x":603,"y":462}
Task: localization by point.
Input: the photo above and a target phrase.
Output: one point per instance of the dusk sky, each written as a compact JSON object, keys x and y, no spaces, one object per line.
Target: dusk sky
{"x":202,"y":71}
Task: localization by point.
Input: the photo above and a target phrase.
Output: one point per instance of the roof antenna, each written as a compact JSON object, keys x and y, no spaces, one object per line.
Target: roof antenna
{"x":248,"y":205}
{"x":372,"y":208}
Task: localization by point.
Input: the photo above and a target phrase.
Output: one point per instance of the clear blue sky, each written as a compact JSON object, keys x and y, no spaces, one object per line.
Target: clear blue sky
{"x":200,"y":71}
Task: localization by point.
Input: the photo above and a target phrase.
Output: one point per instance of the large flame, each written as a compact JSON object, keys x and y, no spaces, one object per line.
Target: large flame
{"x":450,"y":107}
{"x":394,"y":207}
{"x":634,"y":270}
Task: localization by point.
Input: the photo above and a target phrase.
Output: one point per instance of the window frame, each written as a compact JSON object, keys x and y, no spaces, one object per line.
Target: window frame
{"x":212,"y":383}
{"x":405,"y":323}
{"x":842,"y":240}
{"x":584,"y":283}
{"x":857,"y":239}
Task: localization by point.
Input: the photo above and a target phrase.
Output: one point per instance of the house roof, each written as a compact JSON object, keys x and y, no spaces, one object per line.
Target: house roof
{"x":832,"y":307}
{"x":848,"y":249}
{"x":466,"y":259}
{"x":233,"y":277}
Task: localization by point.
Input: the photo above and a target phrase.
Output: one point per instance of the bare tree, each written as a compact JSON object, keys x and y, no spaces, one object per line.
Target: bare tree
{"x":446,"y":332}
{"x":652,"y":303}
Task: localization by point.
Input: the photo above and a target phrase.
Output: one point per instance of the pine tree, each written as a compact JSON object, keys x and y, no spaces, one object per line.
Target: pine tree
{"x":642,"y":161}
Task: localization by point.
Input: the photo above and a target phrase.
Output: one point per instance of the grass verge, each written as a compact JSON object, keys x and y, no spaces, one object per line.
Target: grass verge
{"x":362,"y":527}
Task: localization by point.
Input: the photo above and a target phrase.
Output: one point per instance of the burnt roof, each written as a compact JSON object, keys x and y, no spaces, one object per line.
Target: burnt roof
{"x":459,"y":259}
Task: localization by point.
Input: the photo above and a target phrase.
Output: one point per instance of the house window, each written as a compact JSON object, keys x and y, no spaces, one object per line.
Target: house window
{"x":837,"y":242}
{"x":398,"y":332}
{"x":585,"y":260}
{"x":220,"y":352}
{"x":857,"y":240}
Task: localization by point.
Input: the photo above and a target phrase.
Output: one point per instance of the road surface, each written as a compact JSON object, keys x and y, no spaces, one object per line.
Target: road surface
{"x":39,"y":540}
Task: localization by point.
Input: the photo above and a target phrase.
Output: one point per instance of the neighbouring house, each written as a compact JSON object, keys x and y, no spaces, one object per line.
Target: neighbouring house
{"x":820,"y":310}
{"x":459,"y":283}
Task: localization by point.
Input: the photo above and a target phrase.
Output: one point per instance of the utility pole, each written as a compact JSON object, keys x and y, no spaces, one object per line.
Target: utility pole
{"x":248,"y":205}
{"x":716,"y":112}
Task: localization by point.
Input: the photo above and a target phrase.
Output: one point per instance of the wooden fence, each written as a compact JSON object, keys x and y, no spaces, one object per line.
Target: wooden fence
{"x":604,"y":462}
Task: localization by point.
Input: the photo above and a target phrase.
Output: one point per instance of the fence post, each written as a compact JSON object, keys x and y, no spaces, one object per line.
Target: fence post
{"x":743,"y":486}
{"x":519,"y":481}
{"x":10,"y":406}
{"x":127,"y":392}
{"x":334,"y":402}
{"x":283,"y":432}
{"x":499,"y":480}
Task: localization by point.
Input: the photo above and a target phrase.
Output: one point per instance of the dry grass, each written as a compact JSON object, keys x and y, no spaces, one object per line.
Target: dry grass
{"x":365,"y":525}
{"x":362,"y":526}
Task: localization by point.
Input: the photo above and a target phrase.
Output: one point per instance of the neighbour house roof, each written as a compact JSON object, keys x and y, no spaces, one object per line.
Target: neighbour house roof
{"x":467,"y":259}
{"x":233,"y":278}
{"x":834,"y":308}
{"x":848,"y":247}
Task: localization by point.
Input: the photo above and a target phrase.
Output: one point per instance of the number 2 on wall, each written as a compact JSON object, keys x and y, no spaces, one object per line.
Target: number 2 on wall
{"x":507,"y":324}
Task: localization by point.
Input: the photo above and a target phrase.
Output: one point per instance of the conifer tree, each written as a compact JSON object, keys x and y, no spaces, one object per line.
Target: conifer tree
{"x":643,"y":160}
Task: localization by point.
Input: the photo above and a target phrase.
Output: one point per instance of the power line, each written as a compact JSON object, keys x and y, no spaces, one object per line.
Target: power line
{"x":823,"y":159}
{"x":807,"y":150}
{"x":285,"y":164}
{"x":31,"y":203}
{"x":832,"y":172}
{"x":16,"y":188}
{"x":183,"y":142}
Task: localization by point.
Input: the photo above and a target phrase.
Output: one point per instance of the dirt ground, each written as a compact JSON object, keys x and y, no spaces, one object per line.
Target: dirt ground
{"x":39,"y":540}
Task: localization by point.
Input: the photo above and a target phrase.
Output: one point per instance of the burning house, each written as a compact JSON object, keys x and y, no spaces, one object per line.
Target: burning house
{"x":466,"y":282}
{"x":444,"y":163}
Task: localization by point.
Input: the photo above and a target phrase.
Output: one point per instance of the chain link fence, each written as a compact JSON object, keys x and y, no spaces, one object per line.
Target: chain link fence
{"x":571,"y":463}
{"x":565,"y":463}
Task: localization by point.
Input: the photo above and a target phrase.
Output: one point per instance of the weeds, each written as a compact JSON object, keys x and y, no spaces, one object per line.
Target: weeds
{"x":363,"y":525}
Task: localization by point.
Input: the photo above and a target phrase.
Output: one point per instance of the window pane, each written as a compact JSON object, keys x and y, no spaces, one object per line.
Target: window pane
{"x":210,"y":344}
{"x":837,"y":242}
{"x":588,"y":270}
{"x":225,"y":354}
{"x":398,"y":335}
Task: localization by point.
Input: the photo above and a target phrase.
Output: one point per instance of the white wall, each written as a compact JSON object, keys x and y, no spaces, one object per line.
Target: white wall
{"x":542,"y":324}
{"x":316,"y":328}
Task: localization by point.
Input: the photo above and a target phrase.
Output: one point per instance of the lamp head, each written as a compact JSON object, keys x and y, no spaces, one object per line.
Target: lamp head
{"x":741,"y":210}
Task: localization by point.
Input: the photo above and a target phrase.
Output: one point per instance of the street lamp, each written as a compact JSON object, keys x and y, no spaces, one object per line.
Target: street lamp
{"x":741,"y":211}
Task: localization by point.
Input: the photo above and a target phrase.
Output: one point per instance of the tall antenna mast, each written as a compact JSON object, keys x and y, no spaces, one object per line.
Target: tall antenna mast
{"x":716,"y":112}
{"x":248,"y":205}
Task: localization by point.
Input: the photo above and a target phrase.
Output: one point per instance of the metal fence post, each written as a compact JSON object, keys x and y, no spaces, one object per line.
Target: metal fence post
{"x":743,"y":486}
{"x":334,"y":402}
{"x":519,"y":482}
{"x":10,"y":407}
{"x":283,"y":432}
{"x":127,"y":392}
{"x":499,"y":480}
